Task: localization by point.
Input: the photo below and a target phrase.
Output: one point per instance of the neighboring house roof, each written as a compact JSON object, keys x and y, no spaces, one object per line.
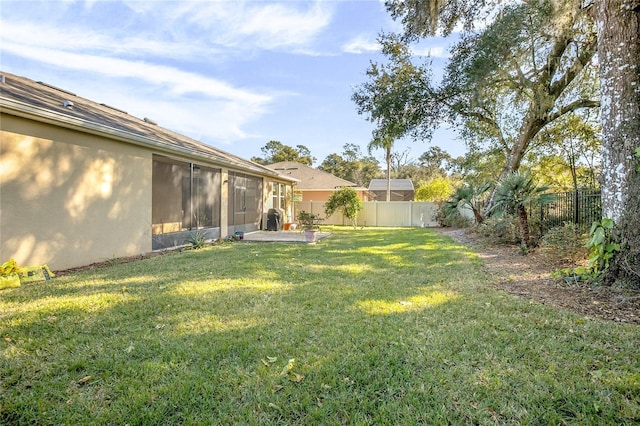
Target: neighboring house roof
{"x":311,"y":179}
{"x":39,"y":101}
{"x":396,"y":185}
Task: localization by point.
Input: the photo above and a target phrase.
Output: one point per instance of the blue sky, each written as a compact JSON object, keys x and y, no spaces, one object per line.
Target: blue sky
{"x":234,"y":74}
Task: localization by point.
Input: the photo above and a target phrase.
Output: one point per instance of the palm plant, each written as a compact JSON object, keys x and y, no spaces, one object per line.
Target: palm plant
{"x":467,"y":196}
{"x":515,"y":191}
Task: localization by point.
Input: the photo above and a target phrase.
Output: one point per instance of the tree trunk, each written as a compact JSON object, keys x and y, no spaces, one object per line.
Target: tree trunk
{"x":523,"y":221}
{"x":388,"y":173}
{"x":619,"y":59}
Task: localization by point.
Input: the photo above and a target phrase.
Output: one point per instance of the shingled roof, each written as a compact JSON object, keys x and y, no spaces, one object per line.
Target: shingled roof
{"x":23,"y":97}
{"x":311,"y":179}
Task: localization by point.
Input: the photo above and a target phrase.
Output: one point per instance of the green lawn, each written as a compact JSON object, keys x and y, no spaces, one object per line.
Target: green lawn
{"x":374,"y":326}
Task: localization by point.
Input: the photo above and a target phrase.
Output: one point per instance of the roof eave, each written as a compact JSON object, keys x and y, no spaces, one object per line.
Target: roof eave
{"x":31,"y":112}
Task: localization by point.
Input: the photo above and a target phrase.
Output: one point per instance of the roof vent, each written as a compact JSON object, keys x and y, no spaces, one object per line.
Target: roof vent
{"x":67,"y":104}
{"x":150,"y":121}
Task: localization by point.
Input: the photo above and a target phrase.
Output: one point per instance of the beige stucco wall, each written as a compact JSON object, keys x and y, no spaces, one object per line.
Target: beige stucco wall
{"x":68,"y":198}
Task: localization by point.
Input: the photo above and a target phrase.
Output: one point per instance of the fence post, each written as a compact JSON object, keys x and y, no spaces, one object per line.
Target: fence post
{"x":576,"y":207}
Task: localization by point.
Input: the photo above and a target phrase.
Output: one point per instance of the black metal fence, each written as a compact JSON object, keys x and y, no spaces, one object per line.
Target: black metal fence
{"x":580,"y":207}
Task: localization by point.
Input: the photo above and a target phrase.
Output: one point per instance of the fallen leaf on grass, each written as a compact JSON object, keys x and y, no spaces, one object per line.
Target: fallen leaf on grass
{"x":288,"y":367}
{"x":274,"y":406}
{"x":295,"y":377}
{"x":269,"y":361}
{"x":277,"y":388}
{"x":84,"y":380}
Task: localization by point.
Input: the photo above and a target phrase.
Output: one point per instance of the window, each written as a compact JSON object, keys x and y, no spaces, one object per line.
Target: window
{"x":185,"y":196}
{"x":278,"y":196}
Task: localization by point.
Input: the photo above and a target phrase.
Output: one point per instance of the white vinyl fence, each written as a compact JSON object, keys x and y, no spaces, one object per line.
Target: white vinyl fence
{"x":380,"y":213}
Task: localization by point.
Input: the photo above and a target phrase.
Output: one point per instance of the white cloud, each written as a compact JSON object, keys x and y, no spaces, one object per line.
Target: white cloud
{"x":78,"y":39}
{"x":361,"y":44}
{"x":244,"y":24}
{"x":177,"y":81}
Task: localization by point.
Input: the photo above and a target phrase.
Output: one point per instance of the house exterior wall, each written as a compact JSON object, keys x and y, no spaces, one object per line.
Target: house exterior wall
{"x":69,"y":198}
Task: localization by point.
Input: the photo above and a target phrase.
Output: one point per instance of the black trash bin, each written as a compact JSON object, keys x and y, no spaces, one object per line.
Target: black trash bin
{"x":273,"y":220}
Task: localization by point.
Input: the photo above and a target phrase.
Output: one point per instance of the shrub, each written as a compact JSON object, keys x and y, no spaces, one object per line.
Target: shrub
{"x":502,"y":229}
{"x":197,"y":239}
{"x":452,"y":219}
{"x":566,"y":244}
{"x":345,"y":200}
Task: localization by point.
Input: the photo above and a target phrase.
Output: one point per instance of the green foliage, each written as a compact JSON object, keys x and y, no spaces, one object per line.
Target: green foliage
{"x":567,"y":152}
{"x":564,"y":243}
{"x":309,"y":220}
{"x":391,"y":88}
{"x":345,"y":200}
{"x":275,"y":152}
{"x":352,"y":165}
{"x":601,"y":246}
{"x":515,"y":191}
{"x":466,"y":196}
{"x":197,"y":239}
{"x":437,"y":189}
{"x":638,"y":155}
{"x":601,"y":250}
{"x":500,"y":229}
{"x":503,"y":84}
{"x":573,"y":275}
{"x":451,"y":218}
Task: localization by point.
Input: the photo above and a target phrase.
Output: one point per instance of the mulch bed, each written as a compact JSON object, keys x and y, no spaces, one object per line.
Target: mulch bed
{"x":530,"y":277}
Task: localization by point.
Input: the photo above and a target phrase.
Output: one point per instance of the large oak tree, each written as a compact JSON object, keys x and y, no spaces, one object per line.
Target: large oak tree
{"x":618,"y":45}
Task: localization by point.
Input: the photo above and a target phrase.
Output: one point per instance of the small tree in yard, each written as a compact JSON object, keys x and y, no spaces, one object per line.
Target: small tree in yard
{"x":514,"y":192}
{"x":345,"y":200}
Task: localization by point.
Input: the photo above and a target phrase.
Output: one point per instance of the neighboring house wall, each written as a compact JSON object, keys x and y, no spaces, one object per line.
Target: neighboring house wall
{"x":74,"y":198}
{"x":316,"y":195}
